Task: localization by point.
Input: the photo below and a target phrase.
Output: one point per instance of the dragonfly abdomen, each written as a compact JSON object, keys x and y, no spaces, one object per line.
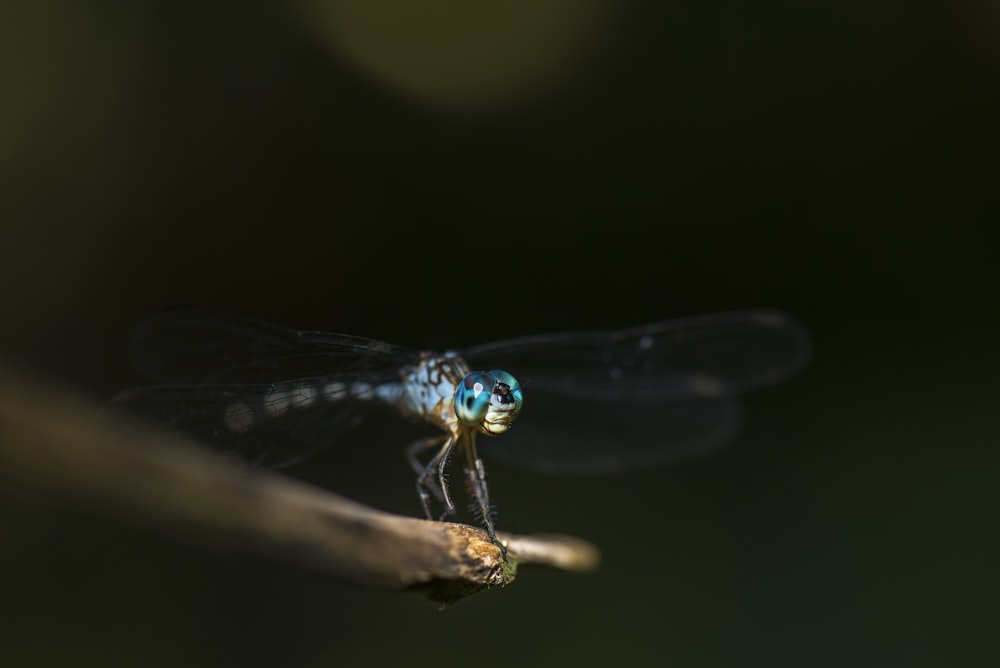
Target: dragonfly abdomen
{"x":242,"y":414}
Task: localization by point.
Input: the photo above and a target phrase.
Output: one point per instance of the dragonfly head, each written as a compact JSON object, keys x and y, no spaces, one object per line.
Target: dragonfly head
{"x":488,"y":400}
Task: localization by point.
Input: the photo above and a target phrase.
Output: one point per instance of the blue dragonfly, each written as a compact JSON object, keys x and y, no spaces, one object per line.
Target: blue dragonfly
{"x":594,"y":401}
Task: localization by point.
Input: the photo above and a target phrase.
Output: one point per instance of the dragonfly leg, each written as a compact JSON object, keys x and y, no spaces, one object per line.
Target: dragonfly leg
{"x":425,"y":481}
{"x":475,"y":475}
{"x":413,"y":452}
{"x":442,"y":463}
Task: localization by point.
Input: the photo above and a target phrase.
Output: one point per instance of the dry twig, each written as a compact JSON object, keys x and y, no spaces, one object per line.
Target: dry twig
{"x":50,"y":442}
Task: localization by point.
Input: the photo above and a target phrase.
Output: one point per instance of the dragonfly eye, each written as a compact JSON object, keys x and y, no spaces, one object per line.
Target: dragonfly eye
{"x":489,"y":401}
{"x":472,"y":398}
{"x":508,"y":390}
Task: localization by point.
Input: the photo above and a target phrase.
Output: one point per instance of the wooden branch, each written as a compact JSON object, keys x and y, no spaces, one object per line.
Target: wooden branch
{"x":51,"y":443}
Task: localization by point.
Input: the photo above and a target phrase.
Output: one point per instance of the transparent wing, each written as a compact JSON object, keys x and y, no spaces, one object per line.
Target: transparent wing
{"x":273,"y":394}
{"x":604,"y":401}
{"x":707,"y":356}
{"x":563,"y":435}
{"x":196,"y":346}
{"x":271,"y":425}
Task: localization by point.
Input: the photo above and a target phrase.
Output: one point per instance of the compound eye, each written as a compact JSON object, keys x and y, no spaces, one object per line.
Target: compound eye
{"x":472,"y":397}
{"x":508,"y":390}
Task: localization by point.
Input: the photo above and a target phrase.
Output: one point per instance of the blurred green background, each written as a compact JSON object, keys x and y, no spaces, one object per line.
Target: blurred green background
{"x":440,"y":173}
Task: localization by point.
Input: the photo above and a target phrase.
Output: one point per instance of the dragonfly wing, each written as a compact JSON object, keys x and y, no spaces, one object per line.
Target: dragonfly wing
{"x":198,"y":345}
{"x":707,"y":356}
{"x":606,"y":401}
{"x":556,"y":434}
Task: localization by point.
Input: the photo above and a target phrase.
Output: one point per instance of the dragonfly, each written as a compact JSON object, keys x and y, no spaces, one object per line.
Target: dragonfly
{"x":583,"y":402}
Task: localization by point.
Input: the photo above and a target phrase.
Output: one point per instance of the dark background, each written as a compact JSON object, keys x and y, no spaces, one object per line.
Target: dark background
{"x":438,"y":176}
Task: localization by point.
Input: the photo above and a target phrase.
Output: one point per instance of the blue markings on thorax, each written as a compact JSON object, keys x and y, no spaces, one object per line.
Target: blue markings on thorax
{"x":430,"y":389}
